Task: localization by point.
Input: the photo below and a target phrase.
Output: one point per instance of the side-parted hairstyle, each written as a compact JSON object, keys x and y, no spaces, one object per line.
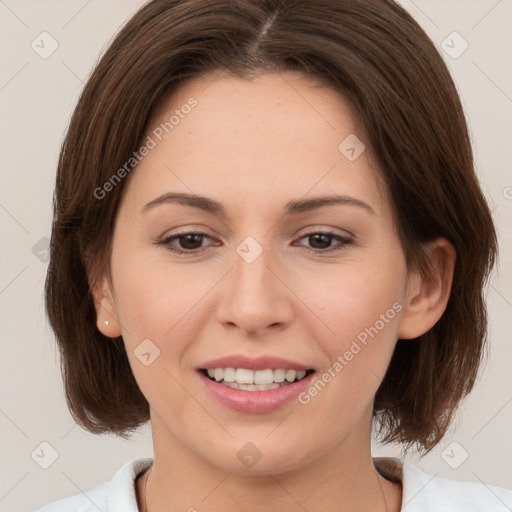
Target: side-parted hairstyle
{"x":379,"y":59}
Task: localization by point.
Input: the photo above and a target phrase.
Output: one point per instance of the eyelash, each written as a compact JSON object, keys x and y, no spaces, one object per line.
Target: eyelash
{"x":167,"y":242}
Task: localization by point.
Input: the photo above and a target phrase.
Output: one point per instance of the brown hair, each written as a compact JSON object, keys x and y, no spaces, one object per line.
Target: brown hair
{"x":382,"y":62}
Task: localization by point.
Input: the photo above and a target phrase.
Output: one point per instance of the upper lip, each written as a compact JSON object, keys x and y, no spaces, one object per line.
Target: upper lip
{"x":262,"y":362}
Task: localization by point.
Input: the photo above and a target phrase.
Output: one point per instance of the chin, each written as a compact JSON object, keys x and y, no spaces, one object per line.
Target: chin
{"x":261,"y":458}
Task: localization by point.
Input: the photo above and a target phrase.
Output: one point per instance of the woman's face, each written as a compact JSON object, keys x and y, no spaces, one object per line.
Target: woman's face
{"x":273,"y":279}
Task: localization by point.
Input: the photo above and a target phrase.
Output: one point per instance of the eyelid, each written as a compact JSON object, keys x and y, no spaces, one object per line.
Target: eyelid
{"x":319,"y":228}
{"x":343,"y":241}
{"x":309,"y":230}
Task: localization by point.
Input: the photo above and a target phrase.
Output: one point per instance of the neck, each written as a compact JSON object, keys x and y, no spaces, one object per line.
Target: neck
{"x":344,"y":479}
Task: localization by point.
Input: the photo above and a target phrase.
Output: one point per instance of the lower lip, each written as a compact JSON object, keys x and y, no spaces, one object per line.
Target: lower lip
{"x":255,"y":402}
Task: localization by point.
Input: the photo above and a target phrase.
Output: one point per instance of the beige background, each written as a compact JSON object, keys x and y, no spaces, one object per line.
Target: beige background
{"x":36,"y":99}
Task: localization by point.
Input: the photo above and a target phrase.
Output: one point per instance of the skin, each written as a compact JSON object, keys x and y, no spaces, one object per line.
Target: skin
{"x":253,"y":146}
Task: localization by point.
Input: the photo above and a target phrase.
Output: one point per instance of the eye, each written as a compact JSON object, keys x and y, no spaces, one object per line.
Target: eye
{"x":321,"y":241}
{"x":191,"y":243}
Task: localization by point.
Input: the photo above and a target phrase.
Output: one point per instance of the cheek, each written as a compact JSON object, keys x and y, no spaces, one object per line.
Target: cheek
{"x":158,"y":301}
{"x":351,"y":299}
{"x":361,"y":310}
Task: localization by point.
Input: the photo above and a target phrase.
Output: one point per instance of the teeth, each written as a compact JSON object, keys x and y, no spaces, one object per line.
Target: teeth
{"x":254,"y":380}
{"x":229,"y":375}
{"x":290,"y":375}
{"x":279,"y":375}
{"x":243,"y":376}
{"x":252,"y":387}
{"x":263,"y":377}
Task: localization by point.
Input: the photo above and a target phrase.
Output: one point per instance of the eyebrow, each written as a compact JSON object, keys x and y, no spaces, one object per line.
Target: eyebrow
{"x":293,"y":207}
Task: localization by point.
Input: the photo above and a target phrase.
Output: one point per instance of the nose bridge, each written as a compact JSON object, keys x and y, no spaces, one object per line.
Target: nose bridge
{"x":256,"y":298}
{"x":252,"y":267}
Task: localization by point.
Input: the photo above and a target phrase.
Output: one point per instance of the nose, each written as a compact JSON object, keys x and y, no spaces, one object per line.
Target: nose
{"x":255,"y":297}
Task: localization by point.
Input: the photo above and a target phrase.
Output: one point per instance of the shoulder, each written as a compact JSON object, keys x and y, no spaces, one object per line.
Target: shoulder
{"x":424,"y":492}
{"x":89,"y":501}
{"x":118,"y":495}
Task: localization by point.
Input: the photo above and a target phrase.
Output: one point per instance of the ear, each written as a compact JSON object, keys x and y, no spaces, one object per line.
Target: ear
{"x":106,"y":316}
{"x":427,"y":295}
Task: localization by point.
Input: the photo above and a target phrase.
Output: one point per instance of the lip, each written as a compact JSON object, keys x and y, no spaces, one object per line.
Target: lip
{"x":254,"y":402}
{"x":253,"y":363}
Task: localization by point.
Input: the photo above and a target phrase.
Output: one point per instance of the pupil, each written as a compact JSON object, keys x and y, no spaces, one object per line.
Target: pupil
{"x":326,"y":240}
{"x":190,"y":238}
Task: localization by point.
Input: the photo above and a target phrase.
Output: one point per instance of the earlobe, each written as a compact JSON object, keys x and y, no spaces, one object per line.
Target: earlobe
{"x":106,"y":317}
{"x":427,"y":295}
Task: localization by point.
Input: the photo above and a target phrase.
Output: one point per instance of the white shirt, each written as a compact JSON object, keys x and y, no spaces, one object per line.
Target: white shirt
{"x":420,"y":491}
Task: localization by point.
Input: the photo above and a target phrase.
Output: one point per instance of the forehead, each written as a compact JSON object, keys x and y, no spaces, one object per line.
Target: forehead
{"x":266,"y":140}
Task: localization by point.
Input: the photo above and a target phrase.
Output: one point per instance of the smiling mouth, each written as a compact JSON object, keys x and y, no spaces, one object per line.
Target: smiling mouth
{"x":254,"y":380}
